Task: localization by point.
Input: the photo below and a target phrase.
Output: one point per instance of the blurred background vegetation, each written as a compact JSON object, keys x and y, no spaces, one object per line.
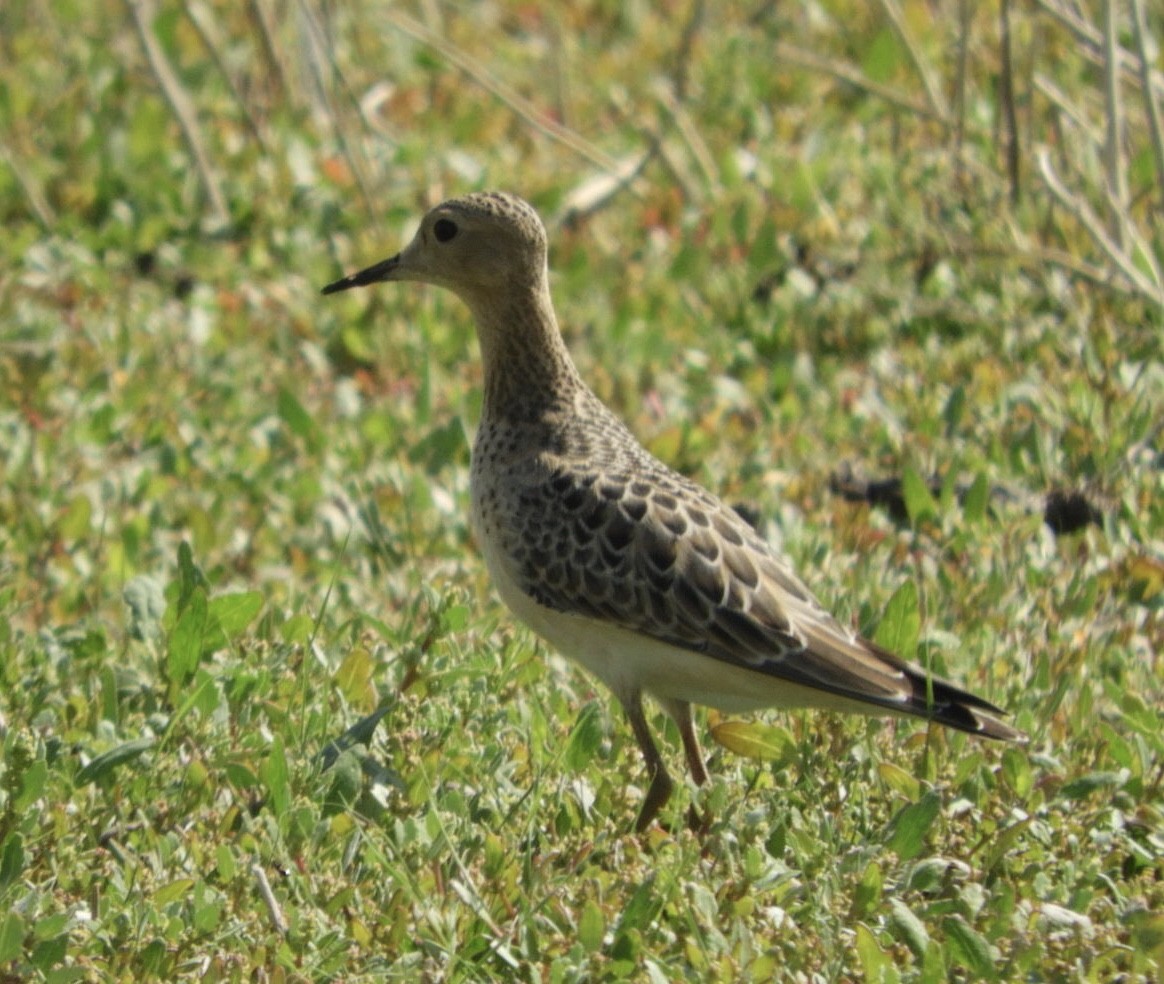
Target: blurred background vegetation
{"x":789,"y":242}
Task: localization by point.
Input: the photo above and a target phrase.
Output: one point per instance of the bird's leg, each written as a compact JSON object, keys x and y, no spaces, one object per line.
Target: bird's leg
{"x":660,"y":789}
{"x":680,"y":712}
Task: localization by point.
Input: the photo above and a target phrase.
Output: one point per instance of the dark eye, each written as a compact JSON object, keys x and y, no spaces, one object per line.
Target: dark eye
{"x":444,"y":230}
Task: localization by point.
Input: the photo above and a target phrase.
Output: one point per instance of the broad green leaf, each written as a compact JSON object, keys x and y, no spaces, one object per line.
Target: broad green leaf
{"x":883,"y":56}
{"x":908,"y":927}
{"x":74,"y":522}
{"x":297,"y":629}
{"x":12,"y":932}
{"x":231,"y":613}
{"x":297,"y":419}
{"x":876,"y":964}
{"x":900,"y":626}
{"x":354,"y":678}
{"x":970,"y":948}
{"x":899,"y":780}
{"x":867,"y":894}
{"x":179,"y":888}
{"x":910,"y":826}
{"x":591,"y":927}
{"x":274,"y":774}
{"x":224,"y":862}
{"x":1084,"y":786}
{"x":1016,"y":771}
{"x":585,"y":738}
{"x":754,"y":739}
{"x":977,"y":499}
{"x":1143,"y":578}
{"x":186,"y":641}
{"x":955,"y":407}
{"x":11,"y":860}
{"x":190,"y":576}
{"x":642,"y":908}
{"x":919,"y":501}
{"x":31,"y":785}
{"x":106,"y":762}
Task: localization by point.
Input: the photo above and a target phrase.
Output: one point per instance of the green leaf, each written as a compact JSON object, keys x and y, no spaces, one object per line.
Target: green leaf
{"x":11,"y":860}
{"x":103,"y":764}
{"x":977,"y":499}
{"x":642,"y":908}
{"x":868,"y":891}
{"x":190,"y":576}
{"x":1084,"y":786}
{"x":297,"y":629}
{"x":186,"y":641}
{"x":355,"y":677}
{"x":1016,"y":772}
{"x":173,"y":891}
{"x":754,"y":740}
{"x":275,"y":776}
{"x":970,"y":948}
{"x":876,"y":964}
{"x":31,"y":785}
{"x":12,"y":932}
{"x":899,"y":780}
{"x":231,"y":613}
{"x":298,"y":420}
{"x":440,"y":447}
{"x":74,"y":522}
{"x":146,"y":601}
{"x":919,"y":501}
{"x":591,"y":927}
{"x":909,"y":828}
{"x":585,"y":738}
{"x":900,"y":626}
{"x":224,"y":863}
{"x":883,"y":56}
{"x":908,"y":927}
{"x":955,"y":407}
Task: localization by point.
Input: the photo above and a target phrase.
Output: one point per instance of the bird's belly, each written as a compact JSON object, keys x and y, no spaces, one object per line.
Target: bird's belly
{"x":630,"y":663}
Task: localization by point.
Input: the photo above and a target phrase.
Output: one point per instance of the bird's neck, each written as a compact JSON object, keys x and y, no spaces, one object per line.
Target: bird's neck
{"x":527,"y":369}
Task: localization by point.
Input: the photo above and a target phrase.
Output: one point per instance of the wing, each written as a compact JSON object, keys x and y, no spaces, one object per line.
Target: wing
{"x":665,"y":558}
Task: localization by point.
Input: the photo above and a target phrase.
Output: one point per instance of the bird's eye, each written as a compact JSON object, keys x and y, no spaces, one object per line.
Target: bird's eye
{"x":444,"y":230}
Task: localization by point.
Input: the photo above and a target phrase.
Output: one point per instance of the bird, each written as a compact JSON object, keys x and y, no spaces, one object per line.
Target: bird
{"x":620,"y":563}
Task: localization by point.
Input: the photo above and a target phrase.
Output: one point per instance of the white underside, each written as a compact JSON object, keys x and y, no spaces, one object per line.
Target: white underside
{"x":630,"y":663}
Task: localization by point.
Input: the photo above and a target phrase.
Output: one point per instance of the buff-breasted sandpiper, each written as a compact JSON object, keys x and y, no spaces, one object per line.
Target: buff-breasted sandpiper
{"x":627,"y":567}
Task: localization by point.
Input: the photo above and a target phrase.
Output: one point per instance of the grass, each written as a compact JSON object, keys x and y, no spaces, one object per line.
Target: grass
{"x":233,"y":513}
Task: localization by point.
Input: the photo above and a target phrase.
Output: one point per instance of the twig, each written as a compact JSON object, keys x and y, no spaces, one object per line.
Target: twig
{"x":782,"y":50}
{"x":587,"y":198}
{"x":690,"y":134}
{"x":657,"y":148}
{"x":1093,"y":39}
{"x":195,"y":17}
{"x":1060,"y":100}
{"x":1113,"y":157}
{"x":274,"y":910}
{"x":1082,"y":212}
{"x":182,"y":107}
{"x":683,"y":51}
{"x":516,"y":102}
{"x":37,"y":203}
{"x":262,"y":17}
{"x":1151,"y":108}
{"x":960,"y":82}
{"x":1006,"y":83}
{"x":934,"y":95}
{"x":321,"y":51}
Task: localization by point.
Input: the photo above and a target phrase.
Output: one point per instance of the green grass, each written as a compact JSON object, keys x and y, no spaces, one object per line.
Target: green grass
{"x":233,"y":513}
